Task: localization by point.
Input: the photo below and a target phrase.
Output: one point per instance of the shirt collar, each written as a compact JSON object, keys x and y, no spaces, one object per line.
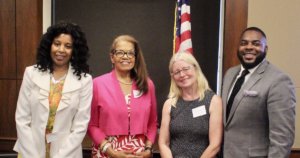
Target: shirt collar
{"x":250,"y":70}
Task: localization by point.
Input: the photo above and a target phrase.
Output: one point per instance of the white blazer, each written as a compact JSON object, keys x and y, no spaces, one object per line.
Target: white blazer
{"x":71,"y":120}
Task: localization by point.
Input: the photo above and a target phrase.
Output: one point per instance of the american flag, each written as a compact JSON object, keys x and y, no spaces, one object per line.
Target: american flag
{"x":182,"y":28}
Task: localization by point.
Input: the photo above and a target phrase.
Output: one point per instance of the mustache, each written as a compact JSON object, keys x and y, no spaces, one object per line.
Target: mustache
{"x":259,"y":58}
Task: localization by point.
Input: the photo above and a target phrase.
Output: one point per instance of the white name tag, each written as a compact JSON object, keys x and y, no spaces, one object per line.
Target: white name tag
{"x":55,"y":136}
{"x":199,"y":111}
{"x":51,"y":137}
{"x":137,"y":93}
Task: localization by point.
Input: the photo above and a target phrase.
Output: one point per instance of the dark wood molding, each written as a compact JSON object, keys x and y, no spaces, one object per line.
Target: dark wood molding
{"x":295,"y":153}
{"x":6,"y":145}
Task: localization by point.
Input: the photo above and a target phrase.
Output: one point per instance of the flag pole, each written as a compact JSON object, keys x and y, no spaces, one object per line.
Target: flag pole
{"x":174,"y":31}
{"x":220,"y":48}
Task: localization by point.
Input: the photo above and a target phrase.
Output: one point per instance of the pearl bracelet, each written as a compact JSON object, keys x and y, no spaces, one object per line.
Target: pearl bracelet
{"x":105,"y":147}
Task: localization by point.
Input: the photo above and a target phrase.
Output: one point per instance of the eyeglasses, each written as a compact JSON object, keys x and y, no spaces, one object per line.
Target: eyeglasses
{"x":184,"y":70}
{"x":121,"y":53}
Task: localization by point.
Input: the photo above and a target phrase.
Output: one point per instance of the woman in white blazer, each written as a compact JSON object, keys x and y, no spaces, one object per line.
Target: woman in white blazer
{"x":53,"y":108}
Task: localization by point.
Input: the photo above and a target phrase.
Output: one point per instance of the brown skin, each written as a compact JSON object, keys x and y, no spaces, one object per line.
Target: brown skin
{"x":61,"y":53}
{"x":252,"y":49}
{"x":123,"y":66}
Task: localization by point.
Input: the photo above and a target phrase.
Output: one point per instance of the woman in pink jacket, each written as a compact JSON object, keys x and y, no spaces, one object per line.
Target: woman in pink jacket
{"x":124,"y":117}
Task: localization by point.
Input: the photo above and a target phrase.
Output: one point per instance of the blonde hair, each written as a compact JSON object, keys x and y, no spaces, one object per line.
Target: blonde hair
{"x":202,"y":84}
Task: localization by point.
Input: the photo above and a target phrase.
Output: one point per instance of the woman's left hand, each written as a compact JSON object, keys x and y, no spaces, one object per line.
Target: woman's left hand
{"x":145,"y":154}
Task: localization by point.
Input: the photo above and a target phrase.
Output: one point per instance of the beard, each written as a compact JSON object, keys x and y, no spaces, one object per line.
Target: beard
{"x":258,"y":60}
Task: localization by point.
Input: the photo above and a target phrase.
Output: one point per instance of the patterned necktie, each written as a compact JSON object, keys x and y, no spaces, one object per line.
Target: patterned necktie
{"x":237,"y":86}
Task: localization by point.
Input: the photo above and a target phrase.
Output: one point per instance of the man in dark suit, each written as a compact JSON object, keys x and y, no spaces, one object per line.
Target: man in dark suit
{"x":259,"y":106}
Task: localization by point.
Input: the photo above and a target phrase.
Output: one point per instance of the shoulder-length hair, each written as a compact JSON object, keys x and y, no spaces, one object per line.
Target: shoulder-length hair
{"x":202,"y":84}
{"x":80,"y":49}
{"x":139,"y":72}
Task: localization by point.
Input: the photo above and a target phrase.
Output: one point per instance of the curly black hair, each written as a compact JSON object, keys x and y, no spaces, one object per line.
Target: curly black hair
{"x":80,"y":49}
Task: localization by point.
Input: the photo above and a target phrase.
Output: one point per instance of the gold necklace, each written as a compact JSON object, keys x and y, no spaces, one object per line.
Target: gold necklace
{"x":126,"y":83}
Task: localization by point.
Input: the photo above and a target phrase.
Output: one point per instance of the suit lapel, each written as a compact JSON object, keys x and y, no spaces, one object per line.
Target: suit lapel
{"x":254,"y":78}
{"x":71,"y":84}
{"x":42,"y":80}
{"x":231,"y":76}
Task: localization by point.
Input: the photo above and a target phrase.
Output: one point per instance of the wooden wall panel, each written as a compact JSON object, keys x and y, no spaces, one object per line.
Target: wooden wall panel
{"x":28,"y":30}
{"x":8,"y":107}
{"x":8,"y":93}
{"x":20,"y":32}
{"x":7,"y":73}
{"x":236,"y":15}
{"x":7,"y":39}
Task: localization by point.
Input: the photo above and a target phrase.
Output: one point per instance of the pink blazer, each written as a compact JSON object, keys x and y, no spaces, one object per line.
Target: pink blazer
{"x":109,"y":115}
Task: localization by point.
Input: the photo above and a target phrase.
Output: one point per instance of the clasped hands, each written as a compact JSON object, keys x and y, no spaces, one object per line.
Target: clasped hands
{"x":130,"y":154}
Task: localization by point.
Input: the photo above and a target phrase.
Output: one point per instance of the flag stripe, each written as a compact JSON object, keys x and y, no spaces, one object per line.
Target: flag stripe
{"x":182,"y":34}
{"x":185,"y":9}
{"x":185,"y":17}
{"x":185,"y":45}
{"x":186,"y":26}
{"x":185,"y":36}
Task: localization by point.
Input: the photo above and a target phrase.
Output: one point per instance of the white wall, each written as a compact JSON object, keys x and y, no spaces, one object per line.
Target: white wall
{"x":280,"y":20}
{"x":46,"y":14}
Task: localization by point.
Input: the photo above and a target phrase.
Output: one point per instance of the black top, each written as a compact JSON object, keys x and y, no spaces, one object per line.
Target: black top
{"x":189,"y":127}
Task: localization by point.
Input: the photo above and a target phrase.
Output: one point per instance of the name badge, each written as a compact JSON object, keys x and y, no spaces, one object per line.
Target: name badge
{"x":137,"y":93}
{"x":51,"y":137}
{"x":55,"y":136}
{"x":199,"y":111}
